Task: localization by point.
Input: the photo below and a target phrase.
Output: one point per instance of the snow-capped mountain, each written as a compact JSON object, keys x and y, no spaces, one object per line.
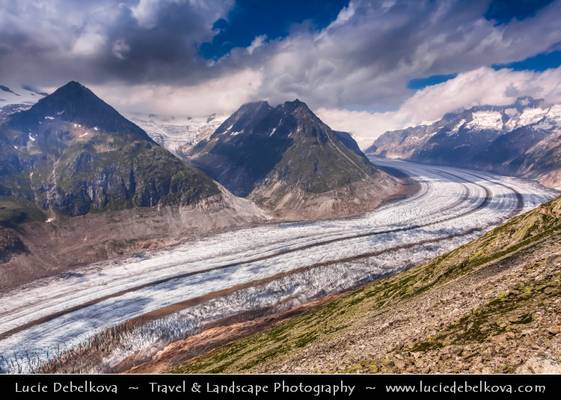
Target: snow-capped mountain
{"x":24,"y":94}
{"x":178,"y":134}
{"x":13,"y":100}
{"x":517,"y":139}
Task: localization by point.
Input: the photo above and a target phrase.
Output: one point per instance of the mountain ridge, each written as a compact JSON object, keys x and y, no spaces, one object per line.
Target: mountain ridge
{"x":79,"y":183}
{"x":285,"y":157}
{"x":80,"y":154}
{"x":519,"y":139}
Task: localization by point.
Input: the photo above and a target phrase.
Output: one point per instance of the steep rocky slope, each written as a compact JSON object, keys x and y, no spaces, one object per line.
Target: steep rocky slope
{"x":72,"y":153}
{"x":80,"y":183}
{"x":493,"y":305}
{"x":287,"y":160}
{"x":519,"y":139}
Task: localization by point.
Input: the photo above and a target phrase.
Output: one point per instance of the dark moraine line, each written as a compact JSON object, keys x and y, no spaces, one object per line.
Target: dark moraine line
{"x":519,"y":197}
{"x":172,"y":308}
{"x":57,"y":314}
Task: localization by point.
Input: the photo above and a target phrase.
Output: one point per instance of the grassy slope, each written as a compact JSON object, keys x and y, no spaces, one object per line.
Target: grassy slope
{"x":337,"y":318}
{"x":13,"y":212}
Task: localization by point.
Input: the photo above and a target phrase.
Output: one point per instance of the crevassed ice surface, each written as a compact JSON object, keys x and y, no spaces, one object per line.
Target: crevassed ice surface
{"x":452,"y":207}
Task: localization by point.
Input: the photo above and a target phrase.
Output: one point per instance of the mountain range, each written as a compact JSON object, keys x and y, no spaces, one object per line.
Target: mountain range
{"x":521,"y":139}
{"x":79,"y":182}
{"x":72,"y":153}
{"x":178,"y":134}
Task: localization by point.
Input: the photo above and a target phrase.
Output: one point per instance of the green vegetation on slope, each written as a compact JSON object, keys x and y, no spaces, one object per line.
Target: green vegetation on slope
{"x":498,"y":315}
{"x":331,"y":319}
{"x":13,"y":213}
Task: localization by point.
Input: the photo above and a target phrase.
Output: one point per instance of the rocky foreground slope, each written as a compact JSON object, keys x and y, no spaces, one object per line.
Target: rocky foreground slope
{"x":287,"y":160}
{"x":493,"y":305}
{"x":521,"y":139}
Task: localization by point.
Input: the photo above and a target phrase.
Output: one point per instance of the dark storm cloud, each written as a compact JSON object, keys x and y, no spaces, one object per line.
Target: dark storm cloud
{"x":164,"y":49}
{"x":133,"y":41}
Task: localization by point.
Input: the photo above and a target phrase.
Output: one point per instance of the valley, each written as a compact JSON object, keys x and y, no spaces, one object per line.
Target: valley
{"x":134,"y":308}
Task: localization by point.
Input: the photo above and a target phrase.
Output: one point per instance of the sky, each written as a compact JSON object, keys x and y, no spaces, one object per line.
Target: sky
{"x":364,"y":66}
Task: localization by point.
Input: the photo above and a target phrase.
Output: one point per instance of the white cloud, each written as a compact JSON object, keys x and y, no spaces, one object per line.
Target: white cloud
{"x":88,"y":44}
{"x":480,"y":86}
{"x":365,"y":58}
{"x":221,"y":95}
{"x":256,"y":43}
{"x":120,"y":49}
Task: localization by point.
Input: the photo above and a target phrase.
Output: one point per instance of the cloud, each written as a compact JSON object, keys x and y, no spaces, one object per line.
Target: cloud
{"x":256,"y":43}
{"x":365,"y":58}
{"x":51,"y":42}
{"x":145,"y":54}
{"x":120,"y":49}
{"x":480,"y":86}
{"x":220,"y":95}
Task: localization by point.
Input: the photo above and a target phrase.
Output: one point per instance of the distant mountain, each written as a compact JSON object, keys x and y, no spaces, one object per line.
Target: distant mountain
{"x":72,"y":153}
{"x":24,"y":95}
{"x":178,"y":134}
{"x":521,"y":139}
{"x":286,"y":159}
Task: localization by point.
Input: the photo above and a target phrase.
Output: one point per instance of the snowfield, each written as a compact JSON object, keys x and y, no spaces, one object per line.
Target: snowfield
{"x":294,"y":262}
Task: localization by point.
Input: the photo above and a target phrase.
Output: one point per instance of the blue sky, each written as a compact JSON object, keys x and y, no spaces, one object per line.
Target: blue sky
{"x":275,"y":19}
{"x":502,"y":12}
{"x":538,"y":63}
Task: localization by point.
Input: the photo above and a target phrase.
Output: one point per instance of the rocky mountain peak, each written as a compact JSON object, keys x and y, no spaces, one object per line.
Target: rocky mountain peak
{"x":261,"y":146}
{"x":75,"y":103}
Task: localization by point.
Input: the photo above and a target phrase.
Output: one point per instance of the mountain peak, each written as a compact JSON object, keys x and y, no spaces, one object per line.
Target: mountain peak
{"x":71,"y":84}
{"x":71,"y":90}
{"x":295,"y":104}
{"x":74,"y":102}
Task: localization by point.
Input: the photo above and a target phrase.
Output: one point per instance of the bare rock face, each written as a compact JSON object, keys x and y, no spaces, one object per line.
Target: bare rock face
{"x":80,"y":183}
{"x":72,"y":153}
{"x":287,"y":160}
{"x":518,"y":139}
{"x":540,"y":365}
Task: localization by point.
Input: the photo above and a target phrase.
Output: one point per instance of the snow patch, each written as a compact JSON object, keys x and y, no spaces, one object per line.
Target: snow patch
{"x":457,"y":127}
{"x":511,"y":112}
{"x":486,"y":120}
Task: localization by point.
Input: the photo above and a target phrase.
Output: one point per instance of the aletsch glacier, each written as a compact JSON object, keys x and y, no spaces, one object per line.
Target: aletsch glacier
{"x":452,"y":207}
